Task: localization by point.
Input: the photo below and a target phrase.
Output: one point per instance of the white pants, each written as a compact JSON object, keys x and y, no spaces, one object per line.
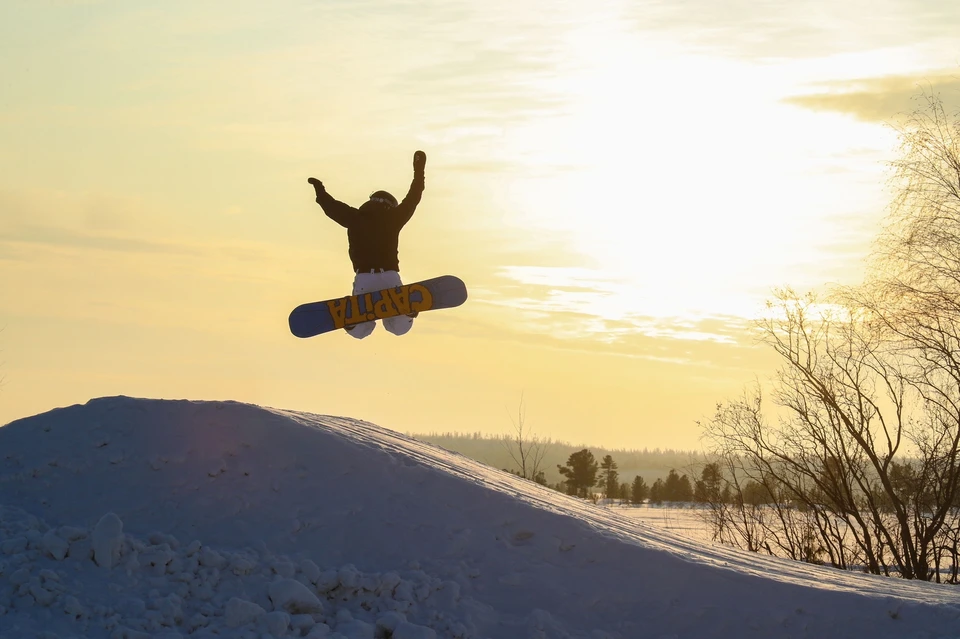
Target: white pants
{"x":377,"y":281}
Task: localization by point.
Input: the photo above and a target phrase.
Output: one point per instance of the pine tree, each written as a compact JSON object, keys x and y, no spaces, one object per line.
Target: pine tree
{"x":656,"y":492}
{"x":609,"y":478}
{"x":580,"y":473}
{"x":684,"y":489}
{"x":708,"y":486}
{"x":671,"y":487}
{"x":639,"y":491}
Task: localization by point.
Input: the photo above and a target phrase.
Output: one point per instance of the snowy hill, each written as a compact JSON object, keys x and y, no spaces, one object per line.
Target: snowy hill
{"x":147,"y":518}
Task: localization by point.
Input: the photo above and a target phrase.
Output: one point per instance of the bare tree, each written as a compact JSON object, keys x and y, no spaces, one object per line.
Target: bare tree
{"x":913,"y":295}
{"x":867,"y":447}
{"x":525,"y":448}
{"x":859,"y":449}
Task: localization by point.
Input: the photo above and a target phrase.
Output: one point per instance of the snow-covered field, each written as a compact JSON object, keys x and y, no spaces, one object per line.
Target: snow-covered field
{"x":147,"y":518}
{"x":684,"y":520}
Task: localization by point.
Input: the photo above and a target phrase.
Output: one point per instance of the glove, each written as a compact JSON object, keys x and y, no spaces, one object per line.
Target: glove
{"x":419,"y":161}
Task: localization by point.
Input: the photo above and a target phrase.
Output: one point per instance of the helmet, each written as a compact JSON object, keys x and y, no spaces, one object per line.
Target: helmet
{"x":384,"y":198}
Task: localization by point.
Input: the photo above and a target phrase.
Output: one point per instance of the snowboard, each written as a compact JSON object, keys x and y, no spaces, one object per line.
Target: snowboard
{"x":315,"y":318}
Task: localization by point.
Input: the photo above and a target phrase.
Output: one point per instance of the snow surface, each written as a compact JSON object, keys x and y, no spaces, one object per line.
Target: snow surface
{"x":130,"y":518}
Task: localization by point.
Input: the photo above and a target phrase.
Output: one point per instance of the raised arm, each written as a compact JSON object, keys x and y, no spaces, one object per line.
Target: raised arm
{"x":405,"y":209}
{"x":342,"y":214}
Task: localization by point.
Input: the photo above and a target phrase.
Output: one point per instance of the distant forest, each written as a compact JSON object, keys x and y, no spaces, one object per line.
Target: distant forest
{"x":493,"y":450}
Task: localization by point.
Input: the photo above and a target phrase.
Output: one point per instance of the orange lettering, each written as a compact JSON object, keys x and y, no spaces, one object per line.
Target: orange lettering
{"x":338,"y":310}
{"x":354,"y":311}
{"x":400,"y":297}
{"x":426,"y":299}
{"x":383,"y":308}
{"x":367,"y":305}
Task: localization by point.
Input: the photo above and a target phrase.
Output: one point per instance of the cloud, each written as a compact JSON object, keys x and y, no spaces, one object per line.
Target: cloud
{"x":488,"y":82}
{"x":58,"y":237}
{"x":882,"y":99}
{"x":799,"y":29}
{"x":710,"y":344}
{"x":581,"y":304}
{"x":116,"y":227}
{"x":99,"y":222}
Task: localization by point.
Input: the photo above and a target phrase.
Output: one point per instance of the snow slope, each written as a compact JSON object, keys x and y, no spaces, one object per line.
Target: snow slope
{"x":146,"y":518}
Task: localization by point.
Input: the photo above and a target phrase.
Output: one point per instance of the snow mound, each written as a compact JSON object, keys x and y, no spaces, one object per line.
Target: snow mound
{"x":148,"y":518}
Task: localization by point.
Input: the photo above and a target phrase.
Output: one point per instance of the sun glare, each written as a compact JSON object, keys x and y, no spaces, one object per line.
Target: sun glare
{"x":688,"y":179}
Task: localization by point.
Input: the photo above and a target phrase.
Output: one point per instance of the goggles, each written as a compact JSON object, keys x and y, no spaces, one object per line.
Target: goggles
{"x":382,"y":200}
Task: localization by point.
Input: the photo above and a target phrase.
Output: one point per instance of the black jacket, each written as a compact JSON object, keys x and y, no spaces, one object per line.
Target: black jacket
{"x":373,"y":230}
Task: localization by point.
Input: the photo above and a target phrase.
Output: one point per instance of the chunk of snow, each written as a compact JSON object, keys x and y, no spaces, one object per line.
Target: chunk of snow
{"x":81,"y":549}
{"x":283,"y":568}
{"x":389,"y":581}
{"x":49,"y":575}
{"x":389,"y":621}
{"x":404,"y":591}
{"x":407,"y":630}
{"x":211,"y":558}
{"x":292,"y":596}
{"x":156,"y":560}
{"x":277,"y":623}
{"x":73,"y":533}
{"x":302,"y":623}
{"x":73,"y":608}
{"x":107,"y":540}
{"x":327,"y":581}
{"x":319,"y":631}
{"x":239,"y":612}
{"x":43,"y":596}
{"x":241,"y":565}
{"x":310,"y":570}
{"x":197,"y":621}
{"x":20,"y":576}
{"x":171,"y":607}
{"x":356,"y":629}
{"x":14,"y":545}
{"x":349,"y":576}
{"x":159,"y":539}
{"x":54,"y":546}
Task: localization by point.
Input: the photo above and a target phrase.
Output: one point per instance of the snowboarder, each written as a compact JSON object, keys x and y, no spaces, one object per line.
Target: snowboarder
{"x":373,"y":233}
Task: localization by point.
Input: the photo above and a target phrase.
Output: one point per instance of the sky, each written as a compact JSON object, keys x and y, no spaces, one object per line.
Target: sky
{"x":620,"y":185}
